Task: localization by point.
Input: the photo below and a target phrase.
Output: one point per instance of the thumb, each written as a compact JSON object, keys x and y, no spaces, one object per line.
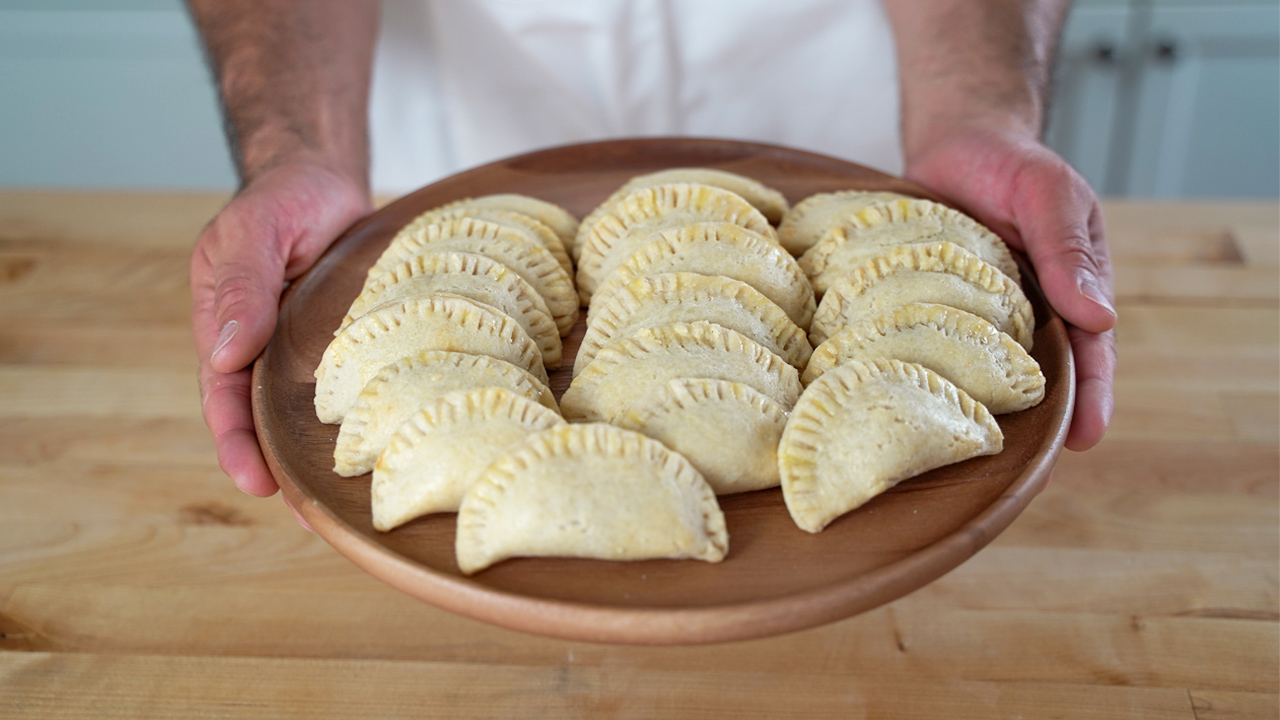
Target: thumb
{"x":246,"y":277}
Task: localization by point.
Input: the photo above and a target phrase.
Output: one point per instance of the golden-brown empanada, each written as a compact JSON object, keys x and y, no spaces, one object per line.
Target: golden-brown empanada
{"x":630,"y":370}
{"x":589,"y":491}
{"x":961,"y":347}
{"x":865,"y":426}
{"x":633,"y":220}
{"x":530,"y":261}
{"x":404,"y":386}
{"x":437,"y":453}
{"x":728,"y":430}
{"x":899,"y":222}
{"x":689,"y":297}
{"x":812,"y":218}
{"x":942,"y":273}
{"x":528,"y":226}
{"x":718,"y":249}
{"x":402,"y":329}
{"x":472,"y":276}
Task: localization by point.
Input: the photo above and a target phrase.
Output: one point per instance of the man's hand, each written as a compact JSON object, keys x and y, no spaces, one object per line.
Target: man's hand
{"x":1038,"y":204}
{"x":272,"y":231}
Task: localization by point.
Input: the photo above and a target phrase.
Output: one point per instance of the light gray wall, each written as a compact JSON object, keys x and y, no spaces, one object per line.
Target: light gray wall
{"x":114,"y":93}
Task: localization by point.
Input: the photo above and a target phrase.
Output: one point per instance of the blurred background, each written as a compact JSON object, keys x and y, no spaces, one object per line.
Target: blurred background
{"x":1153,"y":98}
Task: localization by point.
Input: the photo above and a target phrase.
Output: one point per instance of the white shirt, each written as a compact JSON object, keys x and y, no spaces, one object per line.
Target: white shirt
{"x":458,"y":83}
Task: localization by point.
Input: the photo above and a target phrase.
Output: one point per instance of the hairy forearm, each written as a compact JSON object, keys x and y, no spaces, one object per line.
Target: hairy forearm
{"x":965,"y":62}
{"x":293,"y":78}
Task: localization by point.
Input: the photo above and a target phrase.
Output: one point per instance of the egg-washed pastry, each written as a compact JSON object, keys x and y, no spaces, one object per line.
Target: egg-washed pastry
{"x":718,"y":249}
{"x":628,"y":371}
{"x":689,"y":297}
{"x":404,"y":386}
{"x":437,"y":453}
{"x":942,"y":273}
{"x":812,"y":218}
{"x":528,"y":226}
{"x":899,"y":222}
{"x":472,"y":276}
{"x":863,"y":427}
{"x":402,"y":329}
{"x":728,"y":430}
{"x":639,"y":216}
{"x":561,"y":221}
{"x":961,"y":347}
{"x":771,"y":203}
{"x":529,"y":260}
{"x":589,"y":491}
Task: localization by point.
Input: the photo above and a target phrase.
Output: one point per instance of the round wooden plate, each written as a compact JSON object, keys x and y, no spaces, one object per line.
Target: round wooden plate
{"x":776,"y":578}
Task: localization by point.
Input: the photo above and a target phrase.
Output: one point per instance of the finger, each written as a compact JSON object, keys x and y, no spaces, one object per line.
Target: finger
{"x":225,"y":403}
{"x":301,"y":520}
{"x":1095,"y":361}
{"x":246,"y":294}
{"x":1062,"y":231}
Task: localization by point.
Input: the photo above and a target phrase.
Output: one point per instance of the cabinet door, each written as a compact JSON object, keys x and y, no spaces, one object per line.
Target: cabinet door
{"x":1207,"y":118}
{"x":1086,"y":82}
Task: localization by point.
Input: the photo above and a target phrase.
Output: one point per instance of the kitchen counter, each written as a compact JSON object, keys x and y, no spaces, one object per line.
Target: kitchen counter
{"x":137,"y":582}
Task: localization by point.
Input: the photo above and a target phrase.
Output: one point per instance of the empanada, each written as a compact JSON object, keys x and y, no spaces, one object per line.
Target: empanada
{"x":471,"y":276}
{"x":894,"y":223}
{"x":404,"y":386}
{"x":589,"y":491}
{"x":865,"y":426}
{"x":526,"y":225}
{"x":689,"y":297}
{"x":812,"y":218}
{"x":628,"y":371}
{"x":961,"y":347}
{"x":529,"y":260}
{"x":633,"y":220}
{"x":942,"y":273}
{"x":728,"y":430}
{"x":437,"y":453}
{"x":771,"y":203}
{"x":561,"y":222}
{"x":401,"y":329}
{"x":718,"y":249}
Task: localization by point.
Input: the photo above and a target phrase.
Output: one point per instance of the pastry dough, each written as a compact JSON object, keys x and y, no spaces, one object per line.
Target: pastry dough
{"x":899,"y":222}
{"x":942,"y":273}
{"x":530,"y":227}
{"x":401,"y":329}
{"x":628,"y":371}
{"x":401,"y":388}
{"x":689,"y":297}
{"x":529,"y":260}
{"x":771,"y":203}
{"x":729,"y":431}
{"x":865,"y":426}
{"x":437,"y":453}
{"x":809,"y":221}
{"x":961,"y":347}
{"x":589,"y":491}
{"x":718,"y":249}
{"x":561,"y":222}
{"x":471,"y":276}
{"x":636,"y":218}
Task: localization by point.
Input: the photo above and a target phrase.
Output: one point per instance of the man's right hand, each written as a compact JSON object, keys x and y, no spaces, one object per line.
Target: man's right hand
{"x":275,"y":228}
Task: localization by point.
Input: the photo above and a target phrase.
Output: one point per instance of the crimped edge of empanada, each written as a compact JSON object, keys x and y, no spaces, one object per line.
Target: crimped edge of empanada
{"x":810,"y":219}
{"x":561,"y":221}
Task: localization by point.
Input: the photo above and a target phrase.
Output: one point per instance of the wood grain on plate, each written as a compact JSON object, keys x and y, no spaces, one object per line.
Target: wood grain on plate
{"x":776,"y":578}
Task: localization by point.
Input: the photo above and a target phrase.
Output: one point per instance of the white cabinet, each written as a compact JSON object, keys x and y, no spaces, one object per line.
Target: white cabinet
{"x":1171,"y":99}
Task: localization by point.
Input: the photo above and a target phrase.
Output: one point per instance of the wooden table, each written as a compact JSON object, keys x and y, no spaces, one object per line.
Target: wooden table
{"x":136,"y":581}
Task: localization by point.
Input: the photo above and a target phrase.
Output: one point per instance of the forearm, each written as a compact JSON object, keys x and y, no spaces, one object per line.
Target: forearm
{"x":967,"y":62}
{"x":293,"y":78}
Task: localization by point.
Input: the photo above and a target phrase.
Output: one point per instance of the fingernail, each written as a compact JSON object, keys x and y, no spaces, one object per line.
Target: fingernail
{"x":1089,"y":288}
{"x":224,"y":337}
